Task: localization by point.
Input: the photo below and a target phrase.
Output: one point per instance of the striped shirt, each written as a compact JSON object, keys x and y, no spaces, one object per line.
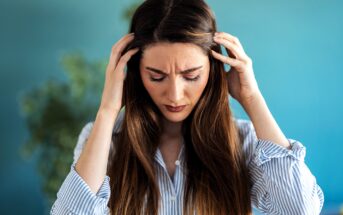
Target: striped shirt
{"x":282,"y":182}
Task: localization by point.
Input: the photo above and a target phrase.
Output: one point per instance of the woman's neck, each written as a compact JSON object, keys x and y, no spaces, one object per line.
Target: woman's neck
{"x":170,"y":140}
{"x":171,"y":130}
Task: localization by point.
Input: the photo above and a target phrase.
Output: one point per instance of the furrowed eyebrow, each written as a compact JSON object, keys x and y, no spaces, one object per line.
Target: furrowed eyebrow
{"x":182,"y":72}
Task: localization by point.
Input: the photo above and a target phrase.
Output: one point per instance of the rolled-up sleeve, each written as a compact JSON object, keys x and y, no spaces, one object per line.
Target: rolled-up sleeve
{"x":281,"y":181}
{"x":74,"y":195}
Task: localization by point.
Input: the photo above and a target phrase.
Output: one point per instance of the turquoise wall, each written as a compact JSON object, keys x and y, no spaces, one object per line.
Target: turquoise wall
{"x":296,"y":48}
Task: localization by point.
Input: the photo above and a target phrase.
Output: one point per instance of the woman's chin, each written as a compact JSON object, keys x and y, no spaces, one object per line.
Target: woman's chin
{"x":176,"y":116}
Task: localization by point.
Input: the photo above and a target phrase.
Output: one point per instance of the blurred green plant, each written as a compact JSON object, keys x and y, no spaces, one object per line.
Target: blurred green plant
{"x":55,"y":114}
{"x":56,"y":111}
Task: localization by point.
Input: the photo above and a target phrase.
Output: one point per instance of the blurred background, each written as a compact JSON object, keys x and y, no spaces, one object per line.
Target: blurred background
{"x":53,"y":56}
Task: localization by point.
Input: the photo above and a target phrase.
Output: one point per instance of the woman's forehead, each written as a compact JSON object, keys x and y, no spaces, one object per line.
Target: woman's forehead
{"x":176,"y":47}
{"x":185,"y":54}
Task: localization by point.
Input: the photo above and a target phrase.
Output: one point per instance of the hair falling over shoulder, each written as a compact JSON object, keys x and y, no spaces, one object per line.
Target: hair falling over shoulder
{"x":217,"y":179}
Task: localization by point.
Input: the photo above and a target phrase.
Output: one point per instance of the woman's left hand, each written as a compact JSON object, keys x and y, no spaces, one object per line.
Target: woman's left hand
{"x":241,"y":79}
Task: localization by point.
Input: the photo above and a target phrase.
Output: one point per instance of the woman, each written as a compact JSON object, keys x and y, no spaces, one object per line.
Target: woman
{"x":176,"y":148}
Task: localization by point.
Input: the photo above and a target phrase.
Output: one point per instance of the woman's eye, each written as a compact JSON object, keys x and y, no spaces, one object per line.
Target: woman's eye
{"x":156,"y":79}
{"x":192,"y":79}
{"x":187,"y":78}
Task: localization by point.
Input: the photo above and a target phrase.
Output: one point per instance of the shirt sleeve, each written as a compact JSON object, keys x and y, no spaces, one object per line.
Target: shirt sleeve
{"x":75,"y":196}
{"x":281,"y":181}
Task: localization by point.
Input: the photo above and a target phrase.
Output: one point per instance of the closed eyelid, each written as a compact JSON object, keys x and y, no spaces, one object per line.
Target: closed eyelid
{"x":159,"y":79}
{"x":158,"y":76}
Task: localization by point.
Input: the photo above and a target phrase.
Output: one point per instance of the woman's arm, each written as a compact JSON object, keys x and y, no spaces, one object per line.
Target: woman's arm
{"x":82,"y":189}
{"x":264,"y":123}
{"x":92,"y":164}
{"x":281,"y":181}
{"x":74,"y":195}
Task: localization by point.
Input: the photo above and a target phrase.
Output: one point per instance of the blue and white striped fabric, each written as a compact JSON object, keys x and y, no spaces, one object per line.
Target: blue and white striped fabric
{"x":282,"y":182}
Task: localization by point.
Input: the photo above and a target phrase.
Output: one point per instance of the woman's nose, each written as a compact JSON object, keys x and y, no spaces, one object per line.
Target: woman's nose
{"x":175,"y":92}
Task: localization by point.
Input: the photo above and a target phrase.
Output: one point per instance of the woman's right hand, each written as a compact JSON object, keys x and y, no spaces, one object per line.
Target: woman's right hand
{"x":113,"y":89}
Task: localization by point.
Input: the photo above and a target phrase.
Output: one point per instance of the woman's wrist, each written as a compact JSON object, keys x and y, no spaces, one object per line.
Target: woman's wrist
{"x":252,"y":101}
{"x":263,"y":121}
{"x":106,"y":113}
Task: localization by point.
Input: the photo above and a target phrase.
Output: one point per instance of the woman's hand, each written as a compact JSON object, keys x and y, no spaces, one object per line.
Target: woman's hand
{"x":113,"y":90}
{"x":241,"y":80}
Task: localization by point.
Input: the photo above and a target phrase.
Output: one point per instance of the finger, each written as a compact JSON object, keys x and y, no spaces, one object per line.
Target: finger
{"x":125,"y":58}
{"x":120,"y":45}
{"x":230,"y":37}
{"x":231,"y":48}
{"x":118,"y":48}
{"x":228,"y":60}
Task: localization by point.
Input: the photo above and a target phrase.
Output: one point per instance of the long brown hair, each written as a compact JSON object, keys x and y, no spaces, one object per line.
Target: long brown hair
{"x":217,"y":179}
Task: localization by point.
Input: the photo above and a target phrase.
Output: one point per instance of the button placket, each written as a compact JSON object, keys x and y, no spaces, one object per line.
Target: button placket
{"x":172,"y":198}
{"x":173,"y":189}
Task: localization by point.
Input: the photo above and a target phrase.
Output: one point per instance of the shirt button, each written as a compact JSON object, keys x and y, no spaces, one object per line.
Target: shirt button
{"x":177,"y":162}
{"x":172,"y":198}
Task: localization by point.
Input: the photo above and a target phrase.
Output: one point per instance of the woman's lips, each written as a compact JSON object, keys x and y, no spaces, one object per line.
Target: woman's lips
{"x":175,"y":108}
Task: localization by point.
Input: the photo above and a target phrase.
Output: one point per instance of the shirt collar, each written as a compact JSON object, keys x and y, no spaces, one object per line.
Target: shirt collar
{"x":159,"y":158}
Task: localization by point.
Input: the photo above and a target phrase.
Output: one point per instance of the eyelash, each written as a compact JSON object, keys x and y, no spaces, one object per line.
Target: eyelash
{"x":161,"y":79}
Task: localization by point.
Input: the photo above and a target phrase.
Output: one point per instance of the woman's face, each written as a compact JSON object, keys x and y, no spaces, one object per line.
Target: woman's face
{"x":175,"y":75}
